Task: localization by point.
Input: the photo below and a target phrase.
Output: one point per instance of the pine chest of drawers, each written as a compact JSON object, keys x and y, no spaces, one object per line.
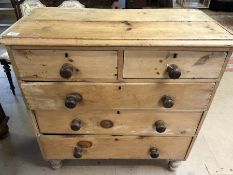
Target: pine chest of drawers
{"x":117,"y":84}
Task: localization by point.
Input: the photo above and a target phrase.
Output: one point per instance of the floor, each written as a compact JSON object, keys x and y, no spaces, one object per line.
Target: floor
{"x":212,"y":153}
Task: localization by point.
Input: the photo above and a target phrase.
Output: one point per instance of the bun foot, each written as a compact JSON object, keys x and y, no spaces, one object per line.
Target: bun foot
{"x":55,"y":164}
{"x":173,"y":165}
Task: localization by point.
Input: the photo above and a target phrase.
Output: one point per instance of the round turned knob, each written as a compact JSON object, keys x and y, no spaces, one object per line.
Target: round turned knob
{"x":75,"y":125}
{"x":167,"y":101}
{"x":173,"y":71}
{"x":72,"y":100}
{"x":154,"y":153}
{"x":160,"y":126}
{"x":66,"y":70}
{"x":78,"y":152}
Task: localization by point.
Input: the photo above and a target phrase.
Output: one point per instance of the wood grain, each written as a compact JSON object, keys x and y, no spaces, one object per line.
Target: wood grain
{"x":117,"y":28}
{"x":118,"y":15}
{"x":153,"y":64}
{"x":46,"y":64}
{"x":28,"y":42}
{"x":126,"y":122}
{"x":103,"y":30}
{"x":229,"y":54}
{"x":115,"y":147}
{"x":51,"y":95}
{"x":124,"y":88}
{"x":122,"y":48}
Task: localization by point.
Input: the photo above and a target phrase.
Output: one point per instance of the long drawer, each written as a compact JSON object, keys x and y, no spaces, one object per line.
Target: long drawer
{"x":54,"y":95}
{"x":124,"y":122}
{"x":114,"y":147}
{"x":62,"y":65}
{"x":153,"y":64}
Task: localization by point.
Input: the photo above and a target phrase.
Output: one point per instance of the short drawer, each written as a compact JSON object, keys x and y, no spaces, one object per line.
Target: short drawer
{"x":154,"y":64}
{"x":119,"y":122}
{"x":90,"y":96}
{"x":63,"y":65}
{"x":113,"y":147}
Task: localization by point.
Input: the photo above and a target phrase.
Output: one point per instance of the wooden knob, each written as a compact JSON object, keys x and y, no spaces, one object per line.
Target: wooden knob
{"x":154,"y":153}
{"x":72,"y":100}
{"x":160,"y":126}
{"x":78,"y":152}
{"x":167,"y":101}
{"x":66,"y":70}
{"x":173,"y":71}
{"x":75,"y":124}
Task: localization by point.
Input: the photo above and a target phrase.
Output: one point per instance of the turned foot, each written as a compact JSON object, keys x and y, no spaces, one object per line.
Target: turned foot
{"x":173,"y":165}
{"x":55,"y":164}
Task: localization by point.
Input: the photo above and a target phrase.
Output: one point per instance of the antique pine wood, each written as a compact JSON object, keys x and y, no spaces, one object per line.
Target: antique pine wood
{"x":120,"y":60}
{"x":118,"y":147}
{"x":195,"y":28}
{"x":88,"y":64}
{"x":137,"y":64}
{"x":118,"y":96}
{"x":151,"y":64}
{"x":126,"y":122}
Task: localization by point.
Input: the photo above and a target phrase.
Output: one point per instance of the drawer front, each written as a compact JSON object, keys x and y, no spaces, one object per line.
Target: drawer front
{"x":124,"y":122}
{"x":153,"y":64}
{"x":86,"y":96}
{"x":62,"y":65}
{"x":113,"y":147}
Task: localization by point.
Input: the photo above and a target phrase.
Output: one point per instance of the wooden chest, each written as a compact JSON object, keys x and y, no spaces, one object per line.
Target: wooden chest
{"x":117,"y":84}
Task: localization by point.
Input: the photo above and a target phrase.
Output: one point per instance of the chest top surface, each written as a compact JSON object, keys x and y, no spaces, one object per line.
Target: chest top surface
{"x":103,"y":27}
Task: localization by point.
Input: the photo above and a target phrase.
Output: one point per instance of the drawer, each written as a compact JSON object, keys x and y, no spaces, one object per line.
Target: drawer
{"x":124,"y":122}
{"x":153,"y":64}
{"x":113,"y":147}
{"x":62,"y":65}
{"x":90,"y":96}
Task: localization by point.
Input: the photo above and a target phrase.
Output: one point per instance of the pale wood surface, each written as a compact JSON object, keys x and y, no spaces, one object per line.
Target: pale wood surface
{"x":122,"y":147}
{"x":149,"y":15}
{"x":170,"y":29}
{"x":153,"y":64}
{"x":212,"y":38}
{"x":29,"y":112}
{"x":211,"y":100}
{"x":211,"y":153}
{"x":121,"y":30}
{"x":120,"y":64}
{"x":127,"y":122}
{"x":51,"y":95}
{"x":36,"y":64}
{"x":222,"y":44}
{"x":118,"y":48}
{"x":43,"y":64}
